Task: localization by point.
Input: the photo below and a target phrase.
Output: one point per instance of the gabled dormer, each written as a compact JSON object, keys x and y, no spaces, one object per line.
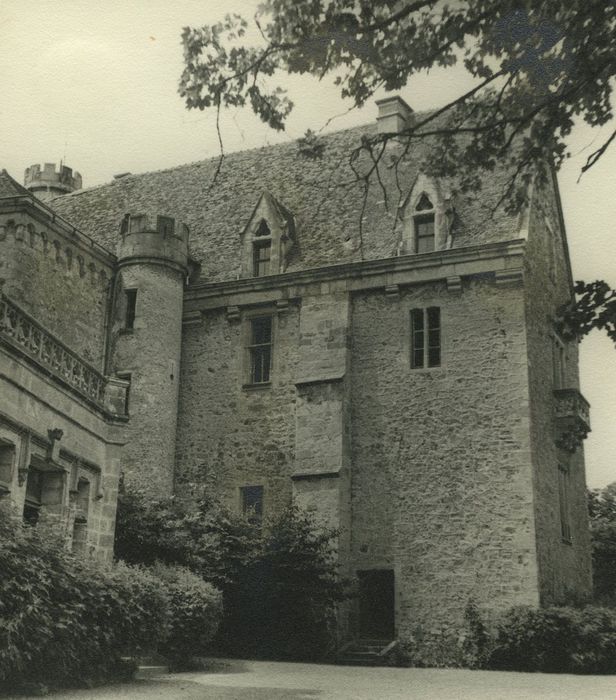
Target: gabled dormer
{"x":428,"y":216}
{"x":267,"y":239}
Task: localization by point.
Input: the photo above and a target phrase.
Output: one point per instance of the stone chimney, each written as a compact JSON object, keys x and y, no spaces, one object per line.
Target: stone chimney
{"x":394,"y":115}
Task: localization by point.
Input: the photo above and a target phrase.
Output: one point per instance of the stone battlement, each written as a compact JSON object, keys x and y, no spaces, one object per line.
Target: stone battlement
{"x":154,"y":237}
{"x":47,"y":179}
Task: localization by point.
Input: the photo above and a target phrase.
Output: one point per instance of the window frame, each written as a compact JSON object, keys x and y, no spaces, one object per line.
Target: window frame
{"x":255,"y":520}
{"x":564,"y":502}
{"x":423,"y":218}
{"x":559,"y":362}
{"x":258,"y":245}
{"x":130,"y":296}
{"x":426,"y":333}
{"x":251,"y":347}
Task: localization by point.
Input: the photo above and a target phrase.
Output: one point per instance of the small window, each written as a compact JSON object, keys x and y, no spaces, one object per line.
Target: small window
{"x":262,"y":230}
{"x":260,"y":349}
{"x":34,"y":496}
{"x":424,"y":225}
{"x":424,"y":234}
{"x":426,"y":337}
{"x":127,"y":377}
{"x":558,"y":363}
{"x":252,"y":504}
{"x":131,"y":306}
{"x":165,"y":225}
{"x":261,"y":258}
{"x":7,"y":458}
{"x":563,"y":499}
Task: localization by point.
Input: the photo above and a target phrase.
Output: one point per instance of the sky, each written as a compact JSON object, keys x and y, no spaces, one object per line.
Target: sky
{"x":94,"y":84}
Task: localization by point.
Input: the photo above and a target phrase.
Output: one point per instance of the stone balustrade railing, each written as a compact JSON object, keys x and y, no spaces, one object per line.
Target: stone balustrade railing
{"x":37,"y":343}
{"x":572,"y":413}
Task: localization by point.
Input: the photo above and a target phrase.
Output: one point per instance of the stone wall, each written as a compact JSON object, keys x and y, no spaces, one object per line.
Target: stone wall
{"x":231,"y":435}
{"x":59,"y":277}
{"x":89,"y":450}
{"x":564,"y":568}
{"x":441,"y":474}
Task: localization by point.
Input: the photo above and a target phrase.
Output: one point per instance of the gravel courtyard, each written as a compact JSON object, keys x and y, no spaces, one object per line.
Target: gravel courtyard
{"x":259,"y":680}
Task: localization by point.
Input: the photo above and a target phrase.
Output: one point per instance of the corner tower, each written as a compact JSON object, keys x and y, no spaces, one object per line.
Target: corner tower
{"x":145,"y":343}
{"x":47,"y":182}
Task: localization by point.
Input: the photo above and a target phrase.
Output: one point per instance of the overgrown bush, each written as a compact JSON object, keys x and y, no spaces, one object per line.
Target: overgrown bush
{"x":66,"y":621}
{"x":279,"y":582}
{"x":602,"y":515}
{"x":195,"y":609}
{"x":282,"y":604}
{"x":556,"y":640}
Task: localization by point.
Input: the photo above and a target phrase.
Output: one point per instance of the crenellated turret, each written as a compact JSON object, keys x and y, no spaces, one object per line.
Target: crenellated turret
{"x":47,"y":182}
{"x":153,"y":266}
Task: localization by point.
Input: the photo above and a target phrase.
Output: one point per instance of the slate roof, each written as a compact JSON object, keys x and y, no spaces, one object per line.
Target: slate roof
{"x":10,"y":187}
{"x":326,"y":216}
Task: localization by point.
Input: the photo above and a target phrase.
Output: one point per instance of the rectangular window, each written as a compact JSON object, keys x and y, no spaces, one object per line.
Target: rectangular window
{"x":558,"y":363}
{"x":165,"y":225}
{"x":424,"y":234}
{"x":7,"y":458}
{"x":34,"y":496}
{"x":127,"y":377}
{"x":426,"y":337}
{"x":260,"y":349}
{"x":252,"y":504}
{"x":563,"y":499}
{"x":261,"y":258}
{"x":131,"y":306}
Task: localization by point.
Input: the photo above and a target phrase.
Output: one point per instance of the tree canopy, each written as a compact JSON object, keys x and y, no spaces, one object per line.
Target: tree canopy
{"x":538,"y":67}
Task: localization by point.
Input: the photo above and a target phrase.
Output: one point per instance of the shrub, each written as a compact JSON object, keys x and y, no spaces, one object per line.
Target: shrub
{"x":556,"y":640}
{"x":195,"y":610}
{"x":65,"y":621}
{"x":279,"y":583}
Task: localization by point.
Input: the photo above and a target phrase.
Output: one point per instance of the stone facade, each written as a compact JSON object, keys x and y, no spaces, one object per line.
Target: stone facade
{"x":254,"y":334}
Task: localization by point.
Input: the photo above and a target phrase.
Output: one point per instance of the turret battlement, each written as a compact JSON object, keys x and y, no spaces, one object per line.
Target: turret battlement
{"x":46,"y":182}
{"x":153,"y":237}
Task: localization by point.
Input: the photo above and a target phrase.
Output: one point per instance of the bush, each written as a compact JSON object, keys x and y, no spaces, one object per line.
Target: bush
{"x":556,"y":640}
{"x":279,"y":583}
{"x":66,"y":621}
{"x":195,"y":610}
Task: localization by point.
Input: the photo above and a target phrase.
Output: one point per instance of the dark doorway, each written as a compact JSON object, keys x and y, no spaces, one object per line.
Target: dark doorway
{"x":376,"y":604}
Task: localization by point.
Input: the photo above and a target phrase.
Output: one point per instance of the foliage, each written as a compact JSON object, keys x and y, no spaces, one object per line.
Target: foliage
{"x":602,"y":512}
{"x":538,"y":67}
{"x":279,"y":582}
{"x":195,"y":609}
{"x":282,"y":605}
{"x":556,"y":640}
{"x":200,"y":535}
{"x":67,"y":621}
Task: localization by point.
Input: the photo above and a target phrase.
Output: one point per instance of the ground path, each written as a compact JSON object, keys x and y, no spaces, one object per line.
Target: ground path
{"x":260,"y":680}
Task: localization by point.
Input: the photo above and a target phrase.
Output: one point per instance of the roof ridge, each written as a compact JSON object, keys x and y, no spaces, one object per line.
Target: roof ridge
{"x":132,"y":176}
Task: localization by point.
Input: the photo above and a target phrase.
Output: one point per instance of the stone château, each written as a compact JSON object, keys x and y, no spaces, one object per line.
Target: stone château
{"x":390,"y":360}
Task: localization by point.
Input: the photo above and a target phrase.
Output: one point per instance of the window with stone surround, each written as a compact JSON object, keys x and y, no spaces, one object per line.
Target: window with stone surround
{"x":131,"y":308}
{"x":558,"y":363}
{"x":425,"y":337}
{"x":260,"y":349}
{"x":564,"y":502}
{"x":7,"y":460}
{"x":423,"y":220}
{"x":262,"y":250}
{"x":252,"y":504}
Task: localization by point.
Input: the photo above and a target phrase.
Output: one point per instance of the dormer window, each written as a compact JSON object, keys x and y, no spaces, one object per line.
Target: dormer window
{"x":262,"y":250}
{"x":428,"y":218}
{"x":267,"y":239}
{"x":424,"y":225}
